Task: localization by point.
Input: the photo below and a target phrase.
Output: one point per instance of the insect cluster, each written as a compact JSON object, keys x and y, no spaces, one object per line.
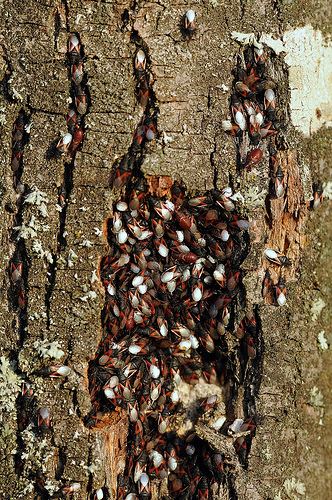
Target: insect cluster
{"x":71,"y":141}
{"x":173,"y":286}
{"x":28,"y":411}
{"x":16,"y":266}
{"x":253,"y":103}
{"x":253,"y":107}
{"x":276,"y":293}
{"x":145,"y":131}
{"x":173,"y":294}
{"x":17,"y":153}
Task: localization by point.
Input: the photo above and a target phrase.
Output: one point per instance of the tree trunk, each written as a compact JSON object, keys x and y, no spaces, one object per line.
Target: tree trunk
{"x":57,"y":228}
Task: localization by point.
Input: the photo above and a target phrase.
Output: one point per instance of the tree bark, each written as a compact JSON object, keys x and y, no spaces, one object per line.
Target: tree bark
{"x":191,"y":80}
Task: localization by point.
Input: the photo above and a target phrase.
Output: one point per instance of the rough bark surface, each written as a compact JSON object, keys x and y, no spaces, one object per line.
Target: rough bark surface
{"x":289,"y":379}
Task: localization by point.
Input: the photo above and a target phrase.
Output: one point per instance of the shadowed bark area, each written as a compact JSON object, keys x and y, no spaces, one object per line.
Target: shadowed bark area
{"x":61,"y":246}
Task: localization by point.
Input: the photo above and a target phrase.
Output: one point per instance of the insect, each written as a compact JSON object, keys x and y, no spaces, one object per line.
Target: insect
{"x":76,"y":141}
{"x":121,"y":175}
{"x":66,"y":491}
{"x":190,"y":21}
{"x":253,"y":157}
{"x":259,"y":56}
{"x":81,"y":100}
{"x":21,"y":300}
{"x":207,"y":404}
{"x":238,"y":113}
{"x":281,"y":292}
{"x":55,"y":371}
{"x":268,"y":129}
{"x":74,"y":47}
{"x":44,"y":421}
{"x":276,"y":257}
{"x":72,"y":120}
{"x":18,"y":131}
{"x":18,"y":185}
{"x":251,"y":349}
{"x":270,"y":104}
{"x":231,"y":128}
{"x":64,"y":143}
{"x":240,"y":223}
{"x":279,"y":183}
{"x":139,"y":135}
{"x":143,"y":92}
{"x":140,"y":63}
{"x":244,"y":91}
{"x":77,"y":73}
{"x":98,"y":494}
{"x":16,"y":272}
{"x":318,"y":195}
{"x":27,"y":394}
{"x":203,"y":489}
{"x":150,"y":130}
{"x":267,"y":284}
{"x":16,"y":160}
{"x":233,"y":280}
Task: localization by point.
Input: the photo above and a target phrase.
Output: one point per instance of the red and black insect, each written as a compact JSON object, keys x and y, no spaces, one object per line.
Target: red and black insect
{"x":77,"y":73}
{"x":16,"y":272}
{"x":44,"y":421}
{"x":72,"y":120}
{"x":251,"y":349}
{"x":140,"y":64}
{"x":207,"y":404}
{"x":66,"y":491}
{"x":267,"y":284}
{"x":239,"y":114}
{"x":276,"y":257}
{"x":122,"y":173}
{"x":64,"y":143}
{"x":318,"y":195}
{"x":189,"y":22}
{"x":27,"y":394}
{"x":259,"y":56}
{"x":18,"y":132}
{"x":55,"y":371}
{"x":16,"y":159}
{"x":81,"y":100}
{"x":279,"y":183}
{"x":143,"y":92}
{"x":270,"y":104}
{"x":231,"y":128}
{"x":21,"y":299}
{"x":280,"y":290}
{"x":77,"y":139}
{"x":203,"y":489}
{"x":74,"y":49}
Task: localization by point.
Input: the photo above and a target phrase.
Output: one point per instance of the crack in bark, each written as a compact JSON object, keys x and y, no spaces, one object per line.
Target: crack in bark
{"x":4,"y":85}
{"x":64,"y":192}
{"x":18,"y":289}
{"x":19,"y":279}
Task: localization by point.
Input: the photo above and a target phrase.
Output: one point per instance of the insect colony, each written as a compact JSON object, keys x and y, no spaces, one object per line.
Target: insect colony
{"x":173,"y":294}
